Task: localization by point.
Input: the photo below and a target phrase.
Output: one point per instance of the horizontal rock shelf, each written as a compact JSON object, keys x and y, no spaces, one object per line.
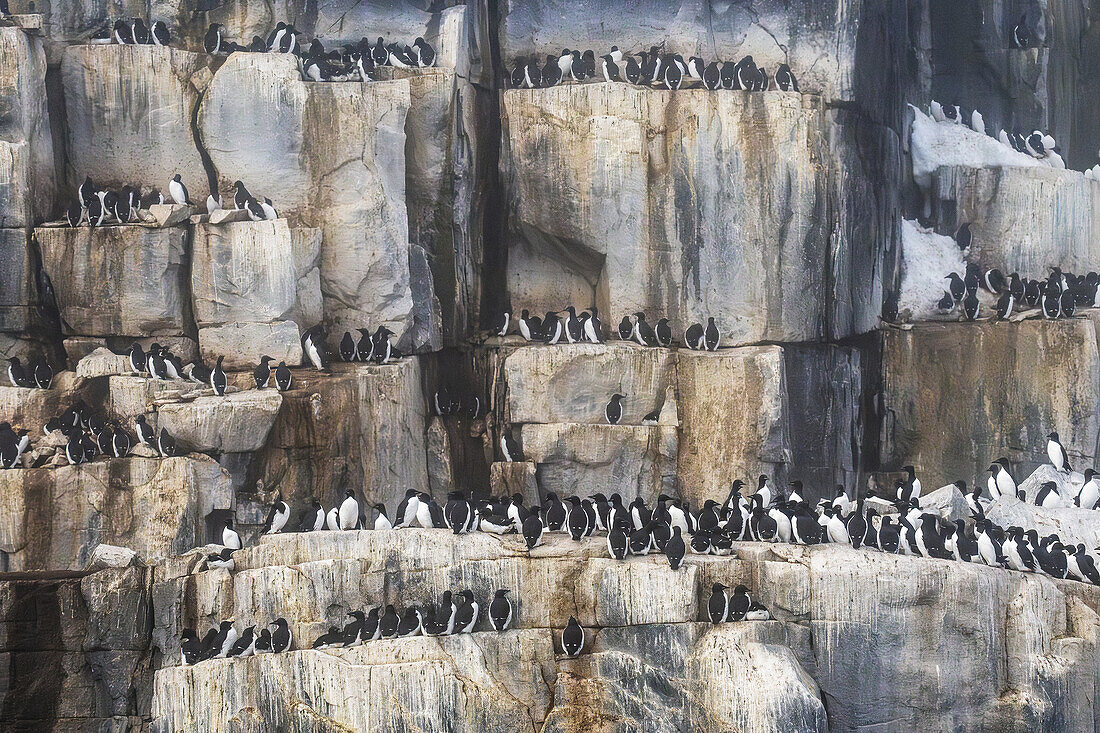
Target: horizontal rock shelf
{"x":346,"y":178}
{"x":239,"y":422}
{"x":843,"y":614}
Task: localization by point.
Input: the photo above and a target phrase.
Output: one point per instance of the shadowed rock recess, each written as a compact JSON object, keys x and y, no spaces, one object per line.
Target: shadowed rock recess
{"x":431,"y":200}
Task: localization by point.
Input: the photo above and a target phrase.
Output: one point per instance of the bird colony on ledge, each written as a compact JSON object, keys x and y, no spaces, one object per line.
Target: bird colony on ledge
{"x":648,"y":68}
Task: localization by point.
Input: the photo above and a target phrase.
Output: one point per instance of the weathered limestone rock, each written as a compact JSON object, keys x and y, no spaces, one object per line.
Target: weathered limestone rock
{"x":242,"y":272}
{"x":583,"y":459}
{"x":337,"y":152}
{"x":53,"y":518}
{"x":362,"y":427}
{"x":128,"y":112}
{"x":734,"y":418}
{"x":1022,"y":219}
{"x":438,"y":455}
{"x":950,"y":414}
{"x":314,"y":579}
{"x":55,"y":636}
{"x":31,"y":408}
{"x":129,"y":396}
{"x":689,"y":677}
{"x":470,"y":681}
{"x":242,"y":344}
{"x":239,"y":422}
{"x":17,"y":291}
{"x":572,"y":383}
{"x":444,"y":175}
{"x":103,"y":363}
{"x":1071,"y":523}
{"x":117,"y":281}
{"x":508,"y":479}
{"x":308,"y":309}
{"x":26,"y":145}
{"x":626,"y":197}
{"x":848,"y":622}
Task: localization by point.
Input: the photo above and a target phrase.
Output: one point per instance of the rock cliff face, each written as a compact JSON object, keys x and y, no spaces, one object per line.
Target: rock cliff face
{"x":841,"y":641}
{"x":429,"y":200}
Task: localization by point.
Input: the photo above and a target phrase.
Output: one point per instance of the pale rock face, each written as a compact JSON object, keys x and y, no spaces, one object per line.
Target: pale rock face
{"x":239,"y":422}
{"x":819,"y":41}
{"x":1010,"y":384}
{"x":118,"y":281}
{"x":633,"y":460}
{"x":243,"y":272}
{"x":26,"y":146}
{"x":242,"y":344}
{"x":346,"y":178}
{"x":627,"y":197}
{"x":103,"y":363}
{"x":128,"y":113}
{"x":1022,"y":219}
{"x":362,"y":427}
{"x":469,"y":681}
{"x":519,"y":477}
{"x":734,"y":415}
{"x":573,"y":383}
{"x":155,"y":507}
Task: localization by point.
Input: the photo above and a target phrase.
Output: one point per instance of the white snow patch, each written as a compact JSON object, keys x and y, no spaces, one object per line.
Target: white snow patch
{"x":934,"y":144}
{"x":927,"y":258}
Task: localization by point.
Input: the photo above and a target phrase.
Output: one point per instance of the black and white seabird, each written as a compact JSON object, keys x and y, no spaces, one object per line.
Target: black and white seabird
{"x":643,"y":332}
{"x":349,"y":511}
{"x":613,"y":412}
{"x":283,"y":377}
{"x":230,"y":538}
{"x":1059,"y":458}
{"x":1021,"y":33}
{"x":389,"y":622}
{"x":412,"y":623}
{"x":467,"y":613}
{"x":166,"y":444}
{"x":718,"y":604}
{"x":572,"y":638}
{"x":159,"y":33}
{"x":313,"y":346}
{"x":219,"y":380}
{"x":281,"y":638}
{"x":626,"y":329}
{"x":509,"y":449}
{"x":382,"y":521}
{"x":971,"y":306}
{"x":277,"y":517}
{"x":145,"y":433}
{"x":663,"y":332}
{"x":784,"y":79}
{"x":261,"y":375}
{"x":313,"y":519}
{"x":532,"y":529}
{"x":212,"y":41}
{"x":178,"y":191}
{"x":500,"y":610}
{"x":712,"y":336}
